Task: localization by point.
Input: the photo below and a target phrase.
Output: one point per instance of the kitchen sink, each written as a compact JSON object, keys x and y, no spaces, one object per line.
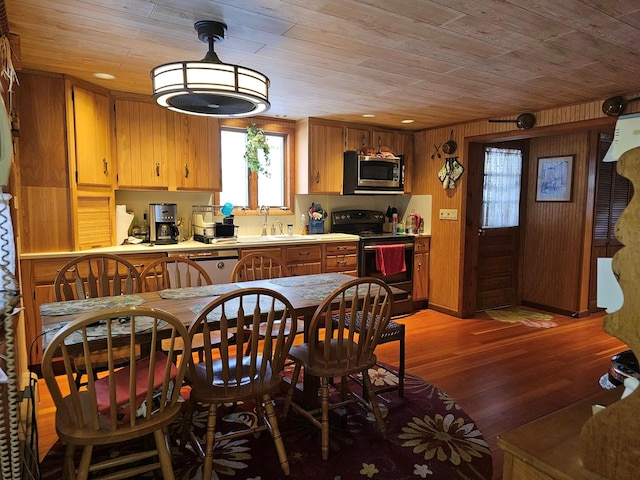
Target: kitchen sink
{"x":273,"y":238}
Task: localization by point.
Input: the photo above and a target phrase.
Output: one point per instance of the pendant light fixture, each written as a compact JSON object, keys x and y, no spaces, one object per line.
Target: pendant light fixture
{"x":209,"y":87}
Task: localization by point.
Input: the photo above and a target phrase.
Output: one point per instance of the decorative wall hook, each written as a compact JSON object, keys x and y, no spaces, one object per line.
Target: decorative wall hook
{"x":525,"y":121}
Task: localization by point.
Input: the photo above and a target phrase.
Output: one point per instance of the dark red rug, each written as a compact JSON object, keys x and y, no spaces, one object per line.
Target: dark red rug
{"x":429,"y":436}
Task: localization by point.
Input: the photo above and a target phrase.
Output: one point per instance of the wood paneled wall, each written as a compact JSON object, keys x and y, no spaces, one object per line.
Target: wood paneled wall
{"x":447,"y":243}
{"x":553,"y":232}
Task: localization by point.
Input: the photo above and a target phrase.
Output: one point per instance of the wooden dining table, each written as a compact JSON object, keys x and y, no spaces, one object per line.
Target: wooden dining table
{"x":305,"y":292}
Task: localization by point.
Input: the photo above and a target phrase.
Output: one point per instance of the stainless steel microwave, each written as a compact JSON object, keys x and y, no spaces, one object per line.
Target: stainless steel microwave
{"x":372,"y":174}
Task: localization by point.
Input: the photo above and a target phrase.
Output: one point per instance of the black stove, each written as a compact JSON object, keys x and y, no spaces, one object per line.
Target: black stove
{"x":368,"y":225}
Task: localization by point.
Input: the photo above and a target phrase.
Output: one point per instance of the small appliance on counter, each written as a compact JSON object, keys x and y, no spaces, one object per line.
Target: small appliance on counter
{"x":162,"y":223}
{"x":206,"y":230}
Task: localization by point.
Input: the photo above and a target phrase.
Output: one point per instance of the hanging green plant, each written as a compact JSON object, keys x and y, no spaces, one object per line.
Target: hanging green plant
{"x":256,"y":141}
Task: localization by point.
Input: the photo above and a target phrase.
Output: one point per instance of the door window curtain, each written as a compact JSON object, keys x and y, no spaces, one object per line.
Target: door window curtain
{"x":501,"y":187}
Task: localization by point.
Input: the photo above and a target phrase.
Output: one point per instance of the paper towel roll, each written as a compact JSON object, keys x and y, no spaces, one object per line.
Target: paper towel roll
{"x":123,"y":221}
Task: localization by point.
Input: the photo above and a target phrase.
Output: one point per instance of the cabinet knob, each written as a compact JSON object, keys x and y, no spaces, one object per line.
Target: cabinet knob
{"x":419,"y":266}
{"x":157,"y":169}
{"x":318,"y":177}
{"x":186,"y":171}
{"x":105,"y":164}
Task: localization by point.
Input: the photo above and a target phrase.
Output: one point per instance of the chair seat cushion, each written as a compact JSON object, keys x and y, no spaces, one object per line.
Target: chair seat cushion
{"x":122,"y":385}
{"x":392,"y":332}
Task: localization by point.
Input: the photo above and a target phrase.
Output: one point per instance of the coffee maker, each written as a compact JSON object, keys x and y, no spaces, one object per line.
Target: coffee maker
{"x":162,"y":223}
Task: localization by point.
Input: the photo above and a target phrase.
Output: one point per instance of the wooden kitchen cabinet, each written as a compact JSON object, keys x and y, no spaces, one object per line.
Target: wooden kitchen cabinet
{"x":304,"y":260}
{"x":197,"y":163}
{"x":91,"y":129}
{"x":37,"y":277}
{"x":421,"y":269}
{"x":320,"y":147}
{"x":341,"y":257}
{"x":142,"y":152}
{"x":357,"y":139}
{"x":319,"y":154}
{"x":163,"y":150}
{"x":64,"y":159}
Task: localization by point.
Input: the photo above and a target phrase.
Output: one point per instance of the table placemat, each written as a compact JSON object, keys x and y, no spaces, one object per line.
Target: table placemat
{"x":89,"y":305}
{"x":249,"y":303}
{"x":119,"y":327}
{"x":196,"y":292}
{"x":309,"y":280}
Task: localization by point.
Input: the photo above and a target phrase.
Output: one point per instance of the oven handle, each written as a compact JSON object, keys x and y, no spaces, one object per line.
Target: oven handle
{"x":407,"y":246}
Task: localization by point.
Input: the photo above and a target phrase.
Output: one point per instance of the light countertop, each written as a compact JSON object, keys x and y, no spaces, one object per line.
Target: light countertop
{"x":193,"y":246}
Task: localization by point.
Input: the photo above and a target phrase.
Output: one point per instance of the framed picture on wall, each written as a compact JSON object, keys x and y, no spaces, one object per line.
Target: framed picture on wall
{"x":554,"y":179}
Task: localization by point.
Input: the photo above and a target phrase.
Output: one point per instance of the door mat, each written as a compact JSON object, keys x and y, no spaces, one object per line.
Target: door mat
{"x":525,"y":317}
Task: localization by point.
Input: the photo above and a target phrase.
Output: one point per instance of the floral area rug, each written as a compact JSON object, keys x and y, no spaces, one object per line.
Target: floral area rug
{"x":428,"y":436}
{"x":523,"y":316}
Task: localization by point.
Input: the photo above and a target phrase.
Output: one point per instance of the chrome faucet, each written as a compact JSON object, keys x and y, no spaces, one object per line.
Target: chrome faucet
{"x":266,"y":219}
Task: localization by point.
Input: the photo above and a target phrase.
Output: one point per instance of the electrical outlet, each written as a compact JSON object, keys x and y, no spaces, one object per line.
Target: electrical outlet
{"x":448,"y":214}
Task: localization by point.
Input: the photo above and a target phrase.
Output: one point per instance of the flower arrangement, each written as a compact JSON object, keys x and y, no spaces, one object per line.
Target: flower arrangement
{"x":256,"y":141}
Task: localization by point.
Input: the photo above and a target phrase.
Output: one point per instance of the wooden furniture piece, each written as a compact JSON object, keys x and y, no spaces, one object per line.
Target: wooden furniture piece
{"x":96,"y":275}
{"x":216,"y":381}
{"x":92,"y":276}
{"x":176,"y":272}
{"x":548,"y":448}
{"x":305,"y":294}
{"x":101,"y":414}
{"x":335,"y":349}
{"x":173,"y":272}
{"x":608,"y":440}
{"x":261,"y":266}
{"x":258,"y":266}
{"x":37,"y":275}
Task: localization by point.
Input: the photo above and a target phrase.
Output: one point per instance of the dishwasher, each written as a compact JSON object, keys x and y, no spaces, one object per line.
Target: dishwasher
{"x":217,"y":263}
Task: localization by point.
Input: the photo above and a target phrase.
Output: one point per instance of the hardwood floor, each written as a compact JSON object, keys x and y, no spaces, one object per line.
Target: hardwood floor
{"x":503,"y":375}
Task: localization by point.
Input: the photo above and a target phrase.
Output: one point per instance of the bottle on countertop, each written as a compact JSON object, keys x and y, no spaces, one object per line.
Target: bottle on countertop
{"x":394,"y":223}
{"x":304,"y":226}
{"x":144,"y":228}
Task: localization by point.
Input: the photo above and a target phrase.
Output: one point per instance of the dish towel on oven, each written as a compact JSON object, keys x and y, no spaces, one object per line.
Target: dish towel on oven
{"x":390,"y":259}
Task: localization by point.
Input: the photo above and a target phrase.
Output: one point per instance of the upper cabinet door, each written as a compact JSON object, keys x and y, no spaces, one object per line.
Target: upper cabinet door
{"x":326,"y":149}
{"x":357,"y":139}
{"x":94,"y":167}
{"x":195,"y":152}
{"x":142,"y":149}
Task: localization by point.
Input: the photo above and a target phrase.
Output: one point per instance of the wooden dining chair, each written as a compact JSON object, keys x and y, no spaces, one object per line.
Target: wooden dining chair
{"x":240,"y":372}
{"x":92,"y":276}
{"x":177,"y":272}
{"x":127,"y":401}
{"x":96,"y":275}
{"x":173,"y":272}
{"x":258,"y":266}
{"x":261,"y":266}
{"x":335,"y":349}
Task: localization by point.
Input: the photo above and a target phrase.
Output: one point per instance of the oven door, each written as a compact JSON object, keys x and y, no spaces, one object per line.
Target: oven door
{"x":368,"y":265}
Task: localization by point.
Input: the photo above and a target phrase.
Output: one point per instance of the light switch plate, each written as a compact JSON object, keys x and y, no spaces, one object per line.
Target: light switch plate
{"x":448,"y":214}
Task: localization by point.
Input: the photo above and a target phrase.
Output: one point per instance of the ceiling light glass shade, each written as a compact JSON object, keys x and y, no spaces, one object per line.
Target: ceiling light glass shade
{"x":209,"y":87}
{"x":212,"y":89}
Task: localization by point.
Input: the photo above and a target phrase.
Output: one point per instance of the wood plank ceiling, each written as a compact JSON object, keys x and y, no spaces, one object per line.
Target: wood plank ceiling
{"x":438,"y":62}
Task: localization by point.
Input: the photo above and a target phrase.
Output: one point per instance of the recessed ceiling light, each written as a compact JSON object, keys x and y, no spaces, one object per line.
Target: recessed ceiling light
{"x":368,"y":115}
{"x":407,"y":121}
{"x":104,"y":76}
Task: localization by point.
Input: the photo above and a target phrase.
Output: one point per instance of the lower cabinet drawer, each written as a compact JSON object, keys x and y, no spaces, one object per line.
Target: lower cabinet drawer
{"x":304,"y":254}
{"x":338,"y":263}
